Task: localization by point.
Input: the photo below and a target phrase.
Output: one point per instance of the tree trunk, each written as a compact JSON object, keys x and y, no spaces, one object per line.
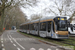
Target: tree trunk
{"x":72,"y":17}
{"x":2,"y":21}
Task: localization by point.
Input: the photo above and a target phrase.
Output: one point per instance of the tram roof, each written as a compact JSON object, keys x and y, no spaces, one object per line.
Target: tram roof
{"x":33,"y":21}
{"x":45,"y":18}
{"x":51,"y":17}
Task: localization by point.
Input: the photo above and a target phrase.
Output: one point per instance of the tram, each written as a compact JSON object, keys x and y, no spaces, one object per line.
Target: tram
{"x":54,"y":27}
{"x":71,"y":29}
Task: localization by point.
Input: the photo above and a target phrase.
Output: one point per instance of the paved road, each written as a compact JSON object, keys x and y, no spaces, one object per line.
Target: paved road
{"x":12,"y":40}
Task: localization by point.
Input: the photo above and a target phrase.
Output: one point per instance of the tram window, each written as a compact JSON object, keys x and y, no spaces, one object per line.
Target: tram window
{"x":32,"y":27}
{"x":71,"y":27}
{"x":53,"y":26}
{"x":28,"y":26}
{"x":49,"y":26}
{"x":22,"y":27}
{"x":43,"y":26}
{"x":36,"y":26}
{"x":74,"y":27}
{"x":25,"y":27}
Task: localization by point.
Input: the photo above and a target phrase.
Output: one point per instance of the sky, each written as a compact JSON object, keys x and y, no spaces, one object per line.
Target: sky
{"x":45,"y":4}
{"x":36,"y":9}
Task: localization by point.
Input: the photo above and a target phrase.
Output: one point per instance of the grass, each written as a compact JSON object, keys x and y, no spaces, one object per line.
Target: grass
{"x":50,"y":40}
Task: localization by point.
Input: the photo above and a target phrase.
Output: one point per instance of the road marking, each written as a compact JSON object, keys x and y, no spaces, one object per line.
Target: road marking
{"x":32,"y":49}
{"x":18,"y":48}
{"x":1,"y":41}
{"x":48,"y":49}
{"x":2,"y":45}
{"x":11,"y":41}
{"x":1,"y":38}
{"x":41,"y":49}
{"x":14,"y":44}
{"x":17,"y":43}
{"x":3,"y":48}
{"x":57,"y":49}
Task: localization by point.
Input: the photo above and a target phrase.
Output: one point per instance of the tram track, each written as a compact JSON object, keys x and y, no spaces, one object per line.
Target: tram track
{"x":68,"y":41}
{"x":61,"y":41}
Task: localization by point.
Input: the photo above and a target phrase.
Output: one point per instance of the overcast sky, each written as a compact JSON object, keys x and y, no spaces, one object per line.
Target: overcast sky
{"x":42,"y":4}
{"x":37,"y":9}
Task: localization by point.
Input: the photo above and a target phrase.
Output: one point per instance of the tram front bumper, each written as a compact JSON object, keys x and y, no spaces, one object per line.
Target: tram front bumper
{"x":62,"y":36}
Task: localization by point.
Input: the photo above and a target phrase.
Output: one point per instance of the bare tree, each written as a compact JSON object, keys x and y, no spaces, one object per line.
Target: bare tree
{"x":10,"y":4}
{"x":35,"y":16}
{"x":14,"y":17}
{"x":62,"y":8}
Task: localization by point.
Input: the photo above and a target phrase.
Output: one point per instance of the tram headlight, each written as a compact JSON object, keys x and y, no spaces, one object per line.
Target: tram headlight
{"x":56,"y":32}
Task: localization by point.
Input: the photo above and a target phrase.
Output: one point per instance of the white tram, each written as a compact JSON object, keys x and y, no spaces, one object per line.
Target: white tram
{"x":54,"y":27}
{"x":71,"y":29}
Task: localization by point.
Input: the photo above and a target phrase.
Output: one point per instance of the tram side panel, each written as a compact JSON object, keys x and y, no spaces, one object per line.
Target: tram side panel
{"x":34,"y":29}
{"x":28,"y":31}
{"x":51,"y":30}
{"x":53,"y":33}
{"x":47,"y":29}
{"x":43,"y":29}
{"x":21,"y":29}
{"x":24,"y":28}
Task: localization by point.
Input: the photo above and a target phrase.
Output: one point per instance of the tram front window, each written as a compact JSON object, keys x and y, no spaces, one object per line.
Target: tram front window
{"x":62,"y":25}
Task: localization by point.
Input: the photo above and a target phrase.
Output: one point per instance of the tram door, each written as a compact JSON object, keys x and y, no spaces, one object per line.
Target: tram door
{"x":36,"y":27}
{"x":49,"y":29}
{"x":71,"y":27}
{"x":74,"y":28}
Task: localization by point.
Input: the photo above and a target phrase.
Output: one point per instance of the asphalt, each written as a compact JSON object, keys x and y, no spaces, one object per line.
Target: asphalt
{"x":12,"y":40}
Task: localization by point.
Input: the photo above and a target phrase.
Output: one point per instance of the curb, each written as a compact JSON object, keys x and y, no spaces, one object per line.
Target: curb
{"x":49,"y":43}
